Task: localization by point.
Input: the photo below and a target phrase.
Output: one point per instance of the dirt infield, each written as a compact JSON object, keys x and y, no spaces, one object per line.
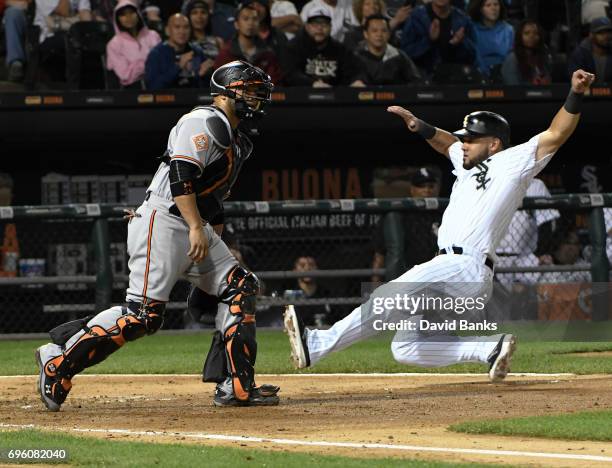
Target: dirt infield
{"x":389,"y":410}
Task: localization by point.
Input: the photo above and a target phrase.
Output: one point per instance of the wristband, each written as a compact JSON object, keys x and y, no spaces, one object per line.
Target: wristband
{"x":425,"y":130}
{"x":573,"y":103}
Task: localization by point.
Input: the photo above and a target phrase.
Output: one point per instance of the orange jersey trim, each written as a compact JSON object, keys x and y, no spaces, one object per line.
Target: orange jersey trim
{"x":146,"y":275}
{"x":228,"y":173}
{"x":189,"y":159}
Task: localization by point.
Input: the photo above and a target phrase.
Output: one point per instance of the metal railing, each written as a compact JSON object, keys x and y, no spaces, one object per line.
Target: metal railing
{"x":338,"y":233}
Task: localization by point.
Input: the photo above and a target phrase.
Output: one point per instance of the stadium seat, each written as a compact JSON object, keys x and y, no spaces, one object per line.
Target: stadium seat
{"x":111,"y":81}
{"x":87,"y":39}
{"x":32,"y":51}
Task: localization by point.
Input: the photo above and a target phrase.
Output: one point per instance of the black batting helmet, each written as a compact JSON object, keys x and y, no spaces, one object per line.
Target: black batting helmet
{"x":255,"y":84}
{"x":485,"y":123}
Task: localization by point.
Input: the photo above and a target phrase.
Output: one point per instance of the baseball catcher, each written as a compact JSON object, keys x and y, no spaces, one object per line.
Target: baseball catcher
{"x":174,"y":235}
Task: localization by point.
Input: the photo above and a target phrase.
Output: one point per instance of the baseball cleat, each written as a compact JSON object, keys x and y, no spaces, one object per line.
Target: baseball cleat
{"x":294,"y":327}
{"x":258,"y":397}
{"x":53,"y":390}
{"x":499,"y":360}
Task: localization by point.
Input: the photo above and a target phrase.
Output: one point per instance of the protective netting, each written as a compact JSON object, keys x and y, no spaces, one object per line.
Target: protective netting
{"x":51,"y":277}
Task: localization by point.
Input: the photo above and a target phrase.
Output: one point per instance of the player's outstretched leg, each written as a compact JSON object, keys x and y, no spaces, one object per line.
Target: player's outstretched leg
{"x":85,"y":342}
{"x":231,"y":359}
{"x":496,"y":351}
{"x":309,"y":346}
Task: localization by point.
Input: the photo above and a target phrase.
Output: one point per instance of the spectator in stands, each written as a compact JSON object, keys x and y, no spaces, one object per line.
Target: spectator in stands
{"x":308,"y":288}
{"x":342,"y":16}
{"x":594,"y":54}
{"x":438,"y":33}
{"x":175,"y":63}
{"x":270,"y":36}
{"x":159,"y":12}
{"x":526,"y":244}
{"x":285,"y":17}
{"x":593,"y":9}
{"x":127,"y":51}
{"x":528,"y":241}
{"x":246,"y":45}
{"x":6,"y":189}
{"x":530,"y":63}
{"x":362,"y":9}
{"x":15,"y":23}
{"x":560,"y":21}
{"x":399,"y":12}
{"x":198,"y":13}
{"x":315,"y":59}
{"x":416,"y":243}
{"x":383,"y":64}
{"x":221,"y":18}
{"x":491,"y":34}
{"x":54,"y":18}
{"x":567,"y":252}
{"x":104,"y":10}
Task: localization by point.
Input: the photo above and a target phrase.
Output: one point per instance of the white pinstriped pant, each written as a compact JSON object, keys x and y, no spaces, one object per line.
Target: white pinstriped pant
{"x":465,"y":275}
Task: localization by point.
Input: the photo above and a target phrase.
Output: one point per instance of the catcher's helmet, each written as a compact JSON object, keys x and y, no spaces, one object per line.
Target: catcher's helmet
{"x":255,"y":84}
{"x":485,"y":123}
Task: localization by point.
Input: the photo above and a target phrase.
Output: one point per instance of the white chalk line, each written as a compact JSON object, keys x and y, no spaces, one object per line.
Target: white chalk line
{"x":322,"y":443}
{"x":347,"y":374}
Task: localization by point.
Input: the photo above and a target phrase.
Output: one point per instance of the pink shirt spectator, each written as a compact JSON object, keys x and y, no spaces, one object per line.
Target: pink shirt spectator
{"x":125,"y":54}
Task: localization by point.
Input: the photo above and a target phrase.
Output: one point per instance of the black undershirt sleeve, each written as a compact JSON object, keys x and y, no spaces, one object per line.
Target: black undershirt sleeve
{"x":182,"y":175}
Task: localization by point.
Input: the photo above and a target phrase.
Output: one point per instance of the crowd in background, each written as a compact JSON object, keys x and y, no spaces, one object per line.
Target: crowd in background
{"x":161,"y":44}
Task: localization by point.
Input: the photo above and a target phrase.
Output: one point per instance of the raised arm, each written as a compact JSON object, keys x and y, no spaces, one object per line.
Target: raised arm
{"x":566,"y":120}
{"x":439,"y":139}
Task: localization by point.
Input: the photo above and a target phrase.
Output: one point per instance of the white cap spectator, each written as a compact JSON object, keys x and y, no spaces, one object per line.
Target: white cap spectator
{"x":340,"y":12}
{"x":319,"y":12}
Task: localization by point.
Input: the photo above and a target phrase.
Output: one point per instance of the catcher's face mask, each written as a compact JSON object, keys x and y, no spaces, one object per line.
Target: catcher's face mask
{"x":251,"y":99}
{"x":250,"y":88}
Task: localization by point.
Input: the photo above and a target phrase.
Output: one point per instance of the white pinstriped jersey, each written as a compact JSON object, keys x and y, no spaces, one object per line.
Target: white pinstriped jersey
{"x":485,"y":198}
{"x":522,"y":235}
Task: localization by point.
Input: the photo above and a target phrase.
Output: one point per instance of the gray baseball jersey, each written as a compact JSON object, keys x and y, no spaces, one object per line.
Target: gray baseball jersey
{"x":204,"y":138}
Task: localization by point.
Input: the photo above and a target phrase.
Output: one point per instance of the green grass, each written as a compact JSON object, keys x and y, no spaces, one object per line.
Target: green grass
{"x":166,"y":353}
{"x":571,"y":331}
{"x":87,"y":451}
{"x":586,"y":425}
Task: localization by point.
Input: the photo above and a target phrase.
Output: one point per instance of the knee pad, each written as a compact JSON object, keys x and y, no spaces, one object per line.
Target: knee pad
{"x":240,"y":293}
{"x":241,"y":352}
{"x":150,"y":315}
{"x":104,"y":334}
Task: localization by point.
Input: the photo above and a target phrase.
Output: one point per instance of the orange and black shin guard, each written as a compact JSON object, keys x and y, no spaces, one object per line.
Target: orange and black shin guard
{"x":103,"y":335}
{"x":239,"y":338}
{"x":241,"y":349}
